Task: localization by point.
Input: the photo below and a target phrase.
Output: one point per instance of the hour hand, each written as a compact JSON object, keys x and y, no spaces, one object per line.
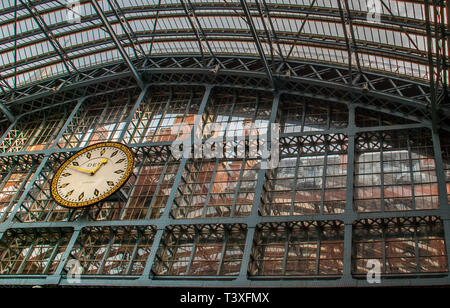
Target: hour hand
{"x":103,"y":161}
{"x":81,"y":169}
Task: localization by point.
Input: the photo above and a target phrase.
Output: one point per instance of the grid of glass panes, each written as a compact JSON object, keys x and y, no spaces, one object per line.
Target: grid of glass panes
{"x":34,"y":132}
{"x":335,"y":186}
{"x":426,"y":194}
{"x":218,"y":115}
{"x":298,"y":249}
{"x":31,"y":252}
{"x":201,"y":251}
{"x":398,"y":191}
{"x":178,"y":119}
{"x":233,"y":115}
{"x":371,"y":118}
{"x":151,"y":189}
{"x":232,"y":189}
{"x":302,"y":116}
{"x":38,"y":203}
{"x":311,"y":180}
{"x":277,"y":194}
{"x":113,"y":251}
{"x":395,"y":171}
{"x":147,"y":116}
{"x":216,"y":188}
{"x":401,"y":246}
{"x":445,"y":148}
{"x":12,"y":186}
{"x":97,"y":122}
{"x":368,"y":193}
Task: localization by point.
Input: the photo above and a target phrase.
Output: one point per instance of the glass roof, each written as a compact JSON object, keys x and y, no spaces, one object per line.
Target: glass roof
{"x":40,"y":39}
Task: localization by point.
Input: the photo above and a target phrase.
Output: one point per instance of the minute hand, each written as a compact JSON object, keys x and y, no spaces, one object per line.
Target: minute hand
{"x":80,"y":169}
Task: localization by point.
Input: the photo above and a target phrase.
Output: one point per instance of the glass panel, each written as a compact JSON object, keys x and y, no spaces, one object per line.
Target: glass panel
{"x":113,"y":251}
{"x":201,"y":251}
{"x":298,"y":249}
{"x":31,"y":252}
{"x":401,"y":245}
{"x":395,"y":171}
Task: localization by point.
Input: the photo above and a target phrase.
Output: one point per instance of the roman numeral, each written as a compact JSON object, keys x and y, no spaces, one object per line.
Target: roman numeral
{"x":120,"y":160}
{"x":69,"y":193}
{"x":102,"y":152}
{"x":114,"y":154}
{"x":75,"y":163}
{"x":88,"y":155}
{"x":110,"y":183}
{"x":119,"y":171}
{"x":64,"y":185}
{"x":81,"y":196}
{"x":66,"y":174}
{"x":96,"y":192}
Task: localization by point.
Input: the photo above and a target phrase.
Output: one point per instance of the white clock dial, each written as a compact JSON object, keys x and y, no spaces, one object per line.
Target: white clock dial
{"x":92,"y":174}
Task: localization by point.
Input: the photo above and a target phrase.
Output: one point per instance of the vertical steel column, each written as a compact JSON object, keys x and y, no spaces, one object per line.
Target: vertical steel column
{"x":165,"y":217}
{"x":383,"y":203}
{"x":442,"y":190}
{"x":253,"y":218}
{"x":349,"y":215}
{"x":294,"y":184}
{"x":286,"y":250}
{"x":324,"y":175}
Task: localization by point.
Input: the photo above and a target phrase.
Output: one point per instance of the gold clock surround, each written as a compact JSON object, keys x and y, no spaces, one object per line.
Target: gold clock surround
{"x":67,"y":204}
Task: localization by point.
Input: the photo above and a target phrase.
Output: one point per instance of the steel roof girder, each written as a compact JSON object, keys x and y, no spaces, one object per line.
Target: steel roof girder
{"x":118,"y":44}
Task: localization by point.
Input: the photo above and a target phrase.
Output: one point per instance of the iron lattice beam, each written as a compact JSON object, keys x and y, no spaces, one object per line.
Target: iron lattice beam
{"x":322,"y":80}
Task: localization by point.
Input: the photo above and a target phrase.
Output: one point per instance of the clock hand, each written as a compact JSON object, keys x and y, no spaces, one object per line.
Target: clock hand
{"x":80,"y":169}
{"x":103,"y":161}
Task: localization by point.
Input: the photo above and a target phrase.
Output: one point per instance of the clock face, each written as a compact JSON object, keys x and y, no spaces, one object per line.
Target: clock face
{"x":92,"y":174}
